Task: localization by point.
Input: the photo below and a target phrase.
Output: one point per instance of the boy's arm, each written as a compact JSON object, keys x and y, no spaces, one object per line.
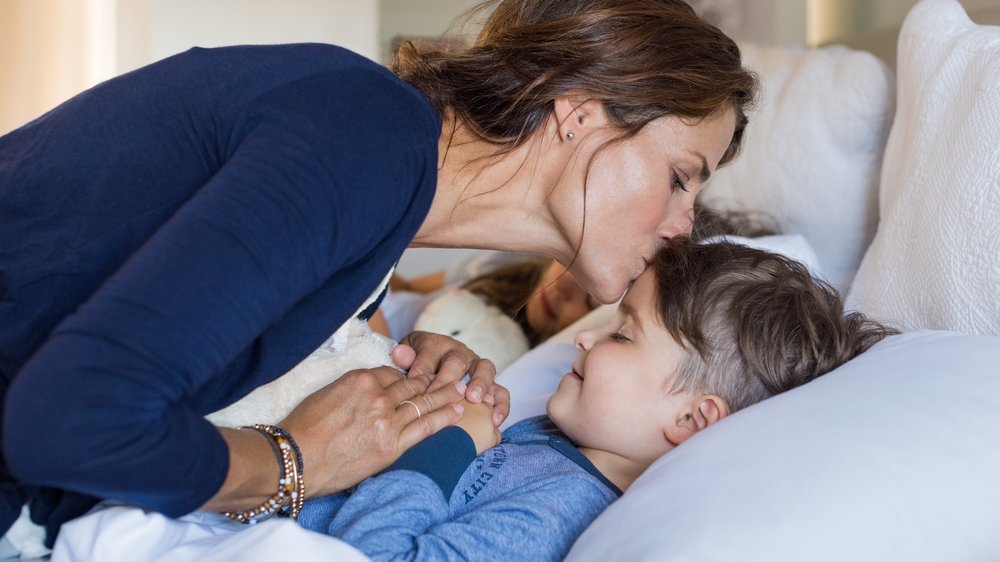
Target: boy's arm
{"x":404,"y":514}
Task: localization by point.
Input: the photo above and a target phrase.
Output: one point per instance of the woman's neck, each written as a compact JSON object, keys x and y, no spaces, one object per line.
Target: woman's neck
{"x":490,"y":201}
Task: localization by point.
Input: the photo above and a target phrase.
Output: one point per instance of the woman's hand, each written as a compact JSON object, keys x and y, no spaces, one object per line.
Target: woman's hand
{"x":477,"y":421}
{"x":358,"y":425}
{"x":448,"y":361}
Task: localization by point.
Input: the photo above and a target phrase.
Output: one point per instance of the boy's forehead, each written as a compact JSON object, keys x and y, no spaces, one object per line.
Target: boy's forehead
{"x":641,"y":292}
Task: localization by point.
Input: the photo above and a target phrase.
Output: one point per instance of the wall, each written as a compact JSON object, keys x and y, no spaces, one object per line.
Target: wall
{"x":149,"y":30}
{"x":49,"y":50}
{"x":413,"y":18}
{"x":830,"y":19}
{"x":53,"y":49}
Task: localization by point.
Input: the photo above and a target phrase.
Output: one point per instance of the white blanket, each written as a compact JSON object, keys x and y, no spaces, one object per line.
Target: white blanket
{"x":128,"y":534}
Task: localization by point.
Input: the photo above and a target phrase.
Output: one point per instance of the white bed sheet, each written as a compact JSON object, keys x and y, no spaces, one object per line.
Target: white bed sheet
{"x":128,"y":534}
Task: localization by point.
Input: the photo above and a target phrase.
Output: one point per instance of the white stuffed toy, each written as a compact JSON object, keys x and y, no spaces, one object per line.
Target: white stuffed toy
{"x":484,"y":328}
{"x":353,"y":346}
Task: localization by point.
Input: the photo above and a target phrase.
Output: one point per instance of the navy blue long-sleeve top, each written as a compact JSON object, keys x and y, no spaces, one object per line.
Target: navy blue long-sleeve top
{"x":177,"y":236}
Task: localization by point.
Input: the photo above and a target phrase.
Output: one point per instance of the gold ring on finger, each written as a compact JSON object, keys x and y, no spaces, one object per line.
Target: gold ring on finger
{"x":415,"y":407}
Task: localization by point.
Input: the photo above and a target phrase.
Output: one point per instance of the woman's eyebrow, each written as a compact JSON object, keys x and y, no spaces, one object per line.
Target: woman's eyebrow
{"x":704,"y":173}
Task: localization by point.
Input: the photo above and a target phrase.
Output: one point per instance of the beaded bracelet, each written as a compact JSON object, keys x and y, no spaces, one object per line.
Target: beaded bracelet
{"x":299,"y":495}
{"x":291,"y":485}
{"x":289,"y":447}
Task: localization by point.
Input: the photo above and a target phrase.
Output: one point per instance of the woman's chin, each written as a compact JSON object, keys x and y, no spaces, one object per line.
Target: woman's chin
{"x":605,"y":286}
{"x":609,"y":293}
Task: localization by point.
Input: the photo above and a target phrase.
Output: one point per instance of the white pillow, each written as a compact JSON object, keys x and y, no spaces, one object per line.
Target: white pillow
{"x":813,"y":150}
{"x":935,"y":262}
{"x":535,"y":376}
{"x":893,"y":456}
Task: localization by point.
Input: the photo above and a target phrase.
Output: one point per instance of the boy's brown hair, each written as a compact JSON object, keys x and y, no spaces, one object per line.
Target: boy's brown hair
{"x":755,"y":323}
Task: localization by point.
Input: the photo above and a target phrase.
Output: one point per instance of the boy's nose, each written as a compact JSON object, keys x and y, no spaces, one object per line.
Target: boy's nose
{"x":584,"y":340}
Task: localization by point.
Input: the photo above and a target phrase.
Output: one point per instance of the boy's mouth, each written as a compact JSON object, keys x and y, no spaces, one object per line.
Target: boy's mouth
{"x":576,"y":374}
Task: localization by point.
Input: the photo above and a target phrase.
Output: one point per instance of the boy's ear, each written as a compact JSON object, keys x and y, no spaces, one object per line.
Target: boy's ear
{"x":704,"y":411}
{"x":576,"y":113}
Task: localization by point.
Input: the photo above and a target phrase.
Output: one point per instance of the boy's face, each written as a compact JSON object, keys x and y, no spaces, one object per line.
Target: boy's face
{"x":616,"y":399}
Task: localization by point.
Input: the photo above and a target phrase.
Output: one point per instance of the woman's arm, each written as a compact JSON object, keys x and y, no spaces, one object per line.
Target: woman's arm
{"x":221,"y":296}
{"x":362,"y":437}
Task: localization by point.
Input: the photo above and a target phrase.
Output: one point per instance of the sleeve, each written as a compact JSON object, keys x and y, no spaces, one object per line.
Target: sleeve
{"x":104,"y":407}
{"x":402,"y":515}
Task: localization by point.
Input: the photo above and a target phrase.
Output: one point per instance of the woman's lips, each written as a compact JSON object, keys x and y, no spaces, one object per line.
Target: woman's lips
{"x":575,"y":375}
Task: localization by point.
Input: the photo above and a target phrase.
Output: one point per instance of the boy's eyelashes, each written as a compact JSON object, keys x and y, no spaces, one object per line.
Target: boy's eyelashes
{"x":619,"y":336}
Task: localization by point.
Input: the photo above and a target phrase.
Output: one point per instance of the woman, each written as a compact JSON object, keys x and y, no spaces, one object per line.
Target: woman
{"x":177,"y":236}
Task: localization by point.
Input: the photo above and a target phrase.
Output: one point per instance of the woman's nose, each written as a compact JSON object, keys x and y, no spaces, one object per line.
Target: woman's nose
{"x":678,"y":222}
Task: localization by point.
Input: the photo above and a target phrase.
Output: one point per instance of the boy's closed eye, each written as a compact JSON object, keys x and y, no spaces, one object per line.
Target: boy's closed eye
{"x":618,"y":336}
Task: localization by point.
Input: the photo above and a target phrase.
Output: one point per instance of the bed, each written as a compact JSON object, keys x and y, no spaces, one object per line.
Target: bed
{"x":892,"y":182}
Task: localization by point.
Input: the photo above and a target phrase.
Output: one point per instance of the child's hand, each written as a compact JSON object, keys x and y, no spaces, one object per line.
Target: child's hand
{"x":477,"y":421}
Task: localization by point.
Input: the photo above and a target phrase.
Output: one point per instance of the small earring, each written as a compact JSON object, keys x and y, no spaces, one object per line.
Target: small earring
{"x":570,"y":136}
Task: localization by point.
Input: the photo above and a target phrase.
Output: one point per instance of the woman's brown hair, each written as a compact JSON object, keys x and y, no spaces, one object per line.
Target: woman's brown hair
{"x":755,"y":323}
{"x":643,"y":59}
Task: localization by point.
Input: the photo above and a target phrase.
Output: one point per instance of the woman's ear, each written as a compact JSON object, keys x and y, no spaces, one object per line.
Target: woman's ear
{"x":576,"y":115}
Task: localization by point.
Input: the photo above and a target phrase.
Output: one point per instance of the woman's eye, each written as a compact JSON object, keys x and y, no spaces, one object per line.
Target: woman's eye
{"x":676,"y":183}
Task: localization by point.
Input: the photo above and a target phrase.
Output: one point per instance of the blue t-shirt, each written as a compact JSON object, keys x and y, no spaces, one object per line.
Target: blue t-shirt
{"x":177,"y":236}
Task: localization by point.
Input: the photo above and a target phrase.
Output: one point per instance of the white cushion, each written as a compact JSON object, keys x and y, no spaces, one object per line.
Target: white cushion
{"x":935,"y":261}
{"x":813,"y":150}
{"x":893,"y":456}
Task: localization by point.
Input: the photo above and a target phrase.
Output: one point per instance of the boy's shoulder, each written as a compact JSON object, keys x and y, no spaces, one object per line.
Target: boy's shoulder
{"x":534,"y":428}
{"x":540,"y":430}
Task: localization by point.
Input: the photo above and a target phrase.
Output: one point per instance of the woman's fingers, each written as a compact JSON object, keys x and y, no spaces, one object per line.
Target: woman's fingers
{"x":448,"y":360}
{"x":453,"y":366}
{"x":403,"y":356}
{"x":437,"y":354}
{"x":420,"y":428}
{"x":500,"y":398}
{"x":420,"y":405}
{"x":482,"y":375}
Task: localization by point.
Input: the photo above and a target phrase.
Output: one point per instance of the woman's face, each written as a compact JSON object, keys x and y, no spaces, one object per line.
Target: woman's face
{"x":557,"y":302}
{"x":638,"y":193}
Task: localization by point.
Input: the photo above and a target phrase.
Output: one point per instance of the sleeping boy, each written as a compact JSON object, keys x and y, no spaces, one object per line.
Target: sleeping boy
{"x":707,"y":330}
